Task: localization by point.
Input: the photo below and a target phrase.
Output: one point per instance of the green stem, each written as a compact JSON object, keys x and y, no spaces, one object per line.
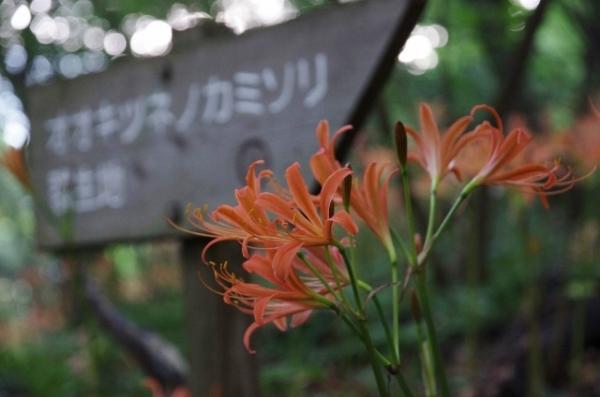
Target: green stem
{"x":432,"y":208}
{"x":409,"y":214}
{"x":395,"y":364}
{"x":318,"y":275}
{"x":432,"y":339}
{"x":363,"y":329}
{"x":336,"y":275}
{"x":386,"y":327}
{"x":403,"y":384}
{"x":427,"y":370}
{"x":382,"y":359}
{"x":350,"y":268}
{"x":405,"y":251}
{"x":395,"y":306}
{"x":459,"y":200}
{"x":424,"y":255}
{"x":381,"y":386}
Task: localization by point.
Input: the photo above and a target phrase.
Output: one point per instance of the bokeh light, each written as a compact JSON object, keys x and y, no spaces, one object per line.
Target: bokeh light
{"x":93,"y":38}
{"x":180,"y":18}
{"x":15,"y":59}
{"x":21,"y":18}
{"x":528,"y":4}
{"x":152,"y":38}
{"x":419,"y":52}
{"x":40,"y":6}
{"x":44,"y":28}
{"x":115,"y":43}
{"x":241,"y":15}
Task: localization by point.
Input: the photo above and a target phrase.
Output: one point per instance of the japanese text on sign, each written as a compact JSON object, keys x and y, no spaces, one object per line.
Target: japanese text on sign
{"x":86,"y":188}
{"x":215,"y":101}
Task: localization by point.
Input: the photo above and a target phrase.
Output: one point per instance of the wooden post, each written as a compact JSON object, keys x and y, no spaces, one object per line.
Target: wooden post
{"x":220,"y":366}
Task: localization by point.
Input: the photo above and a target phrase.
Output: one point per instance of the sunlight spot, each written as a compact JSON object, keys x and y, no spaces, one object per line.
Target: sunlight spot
{"x":180,"y":18}
{"x":21,"y":17}
{"x":114,"y":43}
{"x":15,"y":134}
{"x":40,"y":6}
{"x":241,"y":15}
{"x":93,"y":38}
{"x":528,"y":4}
{"x":152,"y":39}
{"x":44,"y":28}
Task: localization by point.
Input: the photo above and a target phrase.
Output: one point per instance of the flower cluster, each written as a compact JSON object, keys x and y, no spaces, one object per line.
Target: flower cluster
{"x":495,"y":158}
{"x":291,"y":239}
{"x":294,"y":242}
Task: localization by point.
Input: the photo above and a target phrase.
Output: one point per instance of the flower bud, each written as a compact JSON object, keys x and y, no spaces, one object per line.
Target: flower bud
{"x":401,"y":143}
{"x":418,"y":242}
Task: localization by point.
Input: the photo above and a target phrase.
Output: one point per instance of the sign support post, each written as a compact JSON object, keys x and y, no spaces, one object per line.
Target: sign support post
{"x":219,"y":364}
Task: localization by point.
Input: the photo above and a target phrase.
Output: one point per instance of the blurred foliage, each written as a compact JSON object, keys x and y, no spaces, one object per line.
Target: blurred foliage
{"x":58,"y":360}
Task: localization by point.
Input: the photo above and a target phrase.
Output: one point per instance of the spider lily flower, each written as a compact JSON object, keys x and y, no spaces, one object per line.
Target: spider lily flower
{"x":505,"y":166}
{"x":323,"y":163}
{"x":436,"y":153}
{"x":246,"y":222}
{"x":583,"y":140}
{"x":369,"y":200}
{"x":14,"y":161}
{"x":283,"y":302}
{"x":309,"y":218}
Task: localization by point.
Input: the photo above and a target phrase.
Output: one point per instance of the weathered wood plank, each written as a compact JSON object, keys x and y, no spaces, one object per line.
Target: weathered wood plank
{"x":122,"y":149}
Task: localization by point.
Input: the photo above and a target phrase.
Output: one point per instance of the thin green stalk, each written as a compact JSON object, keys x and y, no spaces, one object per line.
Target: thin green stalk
{"x":386,"y":327}
{"x":427,"y":369}
{"x":432,"y":209}
{"x":395,"y":305}
{"x":398,"y":241}
{"x":362,"y":326}
{"x":432,"y":339}
{"x":395,"y":364}
{"x":318,"y":275}
{"x":409,"y":214}
{"x":459,"y":200}
{"x":334,"y":269}
{"x":336,"y":274}
{"x":381,"y":385}
{"x":350,"y":268}
{"x":403,"y":384}
{"x":434,"y":236}
{"x":383,"y":359}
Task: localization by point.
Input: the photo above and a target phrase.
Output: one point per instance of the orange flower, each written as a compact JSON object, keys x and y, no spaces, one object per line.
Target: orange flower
{"x":284,"y":221}
{"x":246,"y":222}
{"x":583,"y":141}
{"x":323,"y":163}
{"x":368,"y":200}
{"x":310,"y":224}
{"x":503,"y":166}
{"x":14,"y":161}
{"x":285,"y":302}
{"x":437,"y":153}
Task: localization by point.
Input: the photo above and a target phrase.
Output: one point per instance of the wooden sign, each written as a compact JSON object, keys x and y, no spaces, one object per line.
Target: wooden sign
{"x":121,"y":150}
